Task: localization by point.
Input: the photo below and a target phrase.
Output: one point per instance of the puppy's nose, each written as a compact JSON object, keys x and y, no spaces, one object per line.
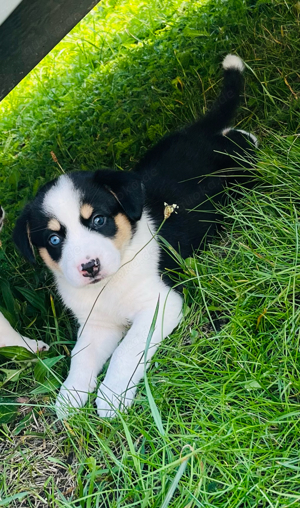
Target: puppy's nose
{"x":91,"y":268}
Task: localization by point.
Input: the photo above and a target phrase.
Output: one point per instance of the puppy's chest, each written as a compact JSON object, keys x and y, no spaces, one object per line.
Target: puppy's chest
{"x":118,"y":298}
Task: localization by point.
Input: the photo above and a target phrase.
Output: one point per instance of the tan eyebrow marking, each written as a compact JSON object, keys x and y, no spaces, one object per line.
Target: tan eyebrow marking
{"x":86,"y":211}
{"x":124,"y":232}
{"x":54,"y":225}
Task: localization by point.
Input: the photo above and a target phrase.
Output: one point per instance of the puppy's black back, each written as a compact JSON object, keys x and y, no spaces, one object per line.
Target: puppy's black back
{"x":191,"y":167}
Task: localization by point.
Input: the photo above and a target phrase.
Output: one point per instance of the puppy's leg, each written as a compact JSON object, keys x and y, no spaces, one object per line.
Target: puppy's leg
{"x":9,"y":337}
{"x":91,"y":351}
{"x":235,"y":148}
{"x":230,"y":132}
{"x":126,"y":367}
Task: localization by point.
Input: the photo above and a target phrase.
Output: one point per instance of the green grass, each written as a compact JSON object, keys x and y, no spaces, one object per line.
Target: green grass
{"x":228,"y":396}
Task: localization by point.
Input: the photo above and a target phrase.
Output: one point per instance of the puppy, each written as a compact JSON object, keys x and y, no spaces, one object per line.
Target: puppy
{"x":8,"y":336}
{"x":100,"y":233}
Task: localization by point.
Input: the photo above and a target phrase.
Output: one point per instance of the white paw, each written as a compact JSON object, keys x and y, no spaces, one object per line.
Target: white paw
{"x":70,"y":398}
{"x":17,"y":340}
{"x":35,"y":345}
{"x":110,"y":401}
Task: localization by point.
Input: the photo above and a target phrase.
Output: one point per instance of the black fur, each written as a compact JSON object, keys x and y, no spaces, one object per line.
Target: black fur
{"x":127,"y":189}
{"x":192,"y":166}
{"x":31,"y":227}
{"x":107,"y":191}
{"x":187,"y":168}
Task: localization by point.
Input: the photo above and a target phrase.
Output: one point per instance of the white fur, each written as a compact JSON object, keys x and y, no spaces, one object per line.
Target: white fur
{"x":9,"y":337}
{"x":233,"y":62}
{"x":126,"y":296}
{"x":254,"y":138}
{"x":63,"y":202}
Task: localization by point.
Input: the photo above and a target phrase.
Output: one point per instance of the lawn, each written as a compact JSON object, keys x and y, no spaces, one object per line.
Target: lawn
{"x":225,"y":384}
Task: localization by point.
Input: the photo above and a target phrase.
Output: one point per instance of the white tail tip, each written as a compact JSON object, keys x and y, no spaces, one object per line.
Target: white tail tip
{"x":233,"y":62}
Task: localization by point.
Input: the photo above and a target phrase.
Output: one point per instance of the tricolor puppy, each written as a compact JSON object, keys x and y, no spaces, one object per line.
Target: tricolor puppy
{"x":96,"y":231}
{"x":8,"y":336}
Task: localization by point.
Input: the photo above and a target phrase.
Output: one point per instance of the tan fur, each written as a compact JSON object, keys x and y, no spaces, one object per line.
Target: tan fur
{"x":86,"y":211}
{"x":54,"y":225}
{"x":123,"y":234}
{"x":48,"y":259}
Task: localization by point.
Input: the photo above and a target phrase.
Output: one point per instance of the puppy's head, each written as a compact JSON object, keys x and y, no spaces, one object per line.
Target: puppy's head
{"x":81,"y":224}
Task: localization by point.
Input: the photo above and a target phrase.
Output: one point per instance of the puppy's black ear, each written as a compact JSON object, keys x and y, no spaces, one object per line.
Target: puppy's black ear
{"x":21,"y":235}
{"x":126,"y":188}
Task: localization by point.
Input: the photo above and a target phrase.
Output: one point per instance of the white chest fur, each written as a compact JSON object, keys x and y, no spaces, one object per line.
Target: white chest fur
{"x":128,"y":297}
{"x":119,"y":297}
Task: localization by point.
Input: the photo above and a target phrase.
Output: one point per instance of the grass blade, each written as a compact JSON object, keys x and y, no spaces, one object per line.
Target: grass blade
{"x":174,"y":484}
{"x":153,"y":406}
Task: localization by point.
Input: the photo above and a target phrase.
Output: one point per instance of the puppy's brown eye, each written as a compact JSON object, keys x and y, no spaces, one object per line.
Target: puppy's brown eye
{"x":99,"y":221}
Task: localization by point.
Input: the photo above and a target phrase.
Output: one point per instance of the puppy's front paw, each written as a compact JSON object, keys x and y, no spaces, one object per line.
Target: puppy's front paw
{"x":14,"y":339}
{"x":110,"y":401}
{"x":107,"y":406}
{"x":69,"y":399}
{"x":35,"y":345}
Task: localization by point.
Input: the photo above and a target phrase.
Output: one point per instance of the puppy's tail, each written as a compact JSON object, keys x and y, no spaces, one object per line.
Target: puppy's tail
{"x":223,"y":110}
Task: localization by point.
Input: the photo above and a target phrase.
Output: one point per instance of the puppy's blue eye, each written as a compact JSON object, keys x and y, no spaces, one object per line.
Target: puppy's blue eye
{"x":99,"y":221}
{"x":54,"y":240}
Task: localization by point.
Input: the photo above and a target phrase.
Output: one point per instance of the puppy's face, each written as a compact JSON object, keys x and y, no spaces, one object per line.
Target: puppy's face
{"x":81,"y":224}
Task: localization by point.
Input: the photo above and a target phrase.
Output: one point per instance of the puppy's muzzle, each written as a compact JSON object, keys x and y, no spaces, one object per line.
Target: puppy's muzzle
{"x":91,"y":269}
